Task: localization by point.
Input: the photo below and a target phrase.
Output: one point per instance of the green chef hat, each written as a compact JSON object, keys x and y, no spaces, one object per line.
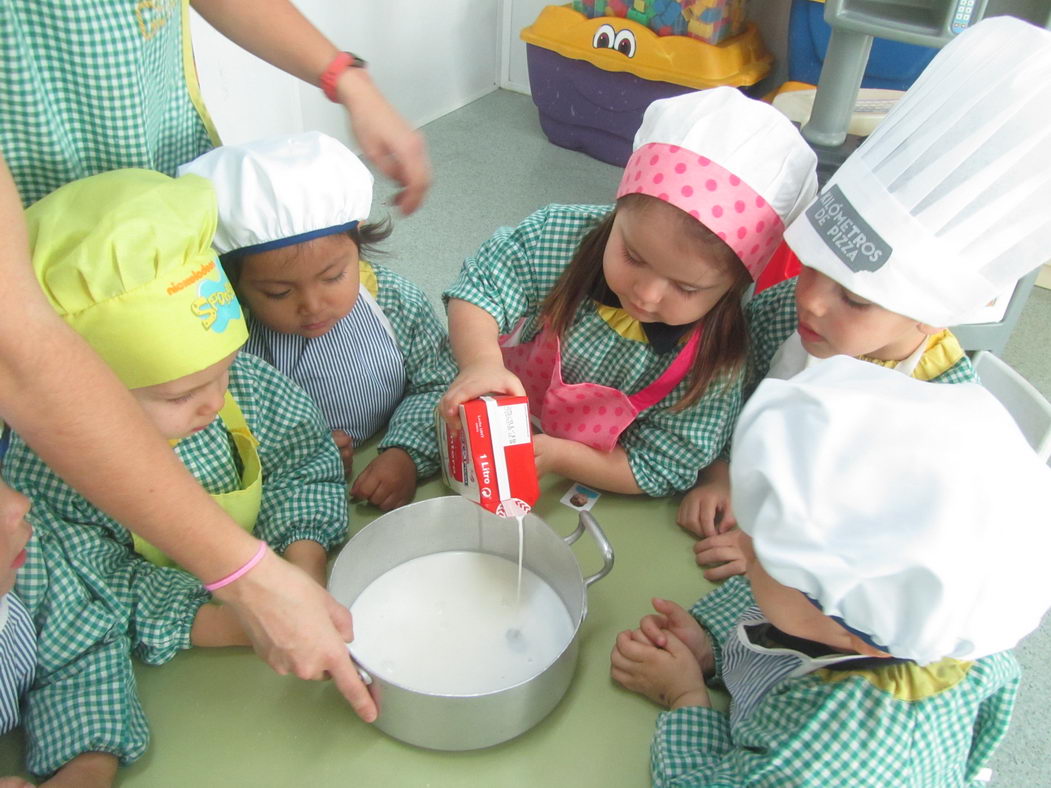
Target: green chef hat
{"x":125,"y":259}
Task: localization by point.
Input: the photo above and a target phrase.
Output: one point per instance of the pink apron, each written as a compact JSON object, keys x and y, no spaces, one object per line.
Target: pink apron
{"x":589,"y":413}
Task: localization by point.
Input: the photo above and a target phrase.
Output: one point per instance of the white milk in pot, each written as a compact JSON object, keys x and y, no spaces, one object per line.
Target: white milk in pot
{"x":454,"y":623}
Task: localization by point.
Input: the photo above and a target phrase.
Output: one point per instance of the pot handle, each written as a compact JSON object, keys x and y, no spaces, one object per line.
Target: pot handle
{"x":363,"y":674}
{"x":590,"y":524}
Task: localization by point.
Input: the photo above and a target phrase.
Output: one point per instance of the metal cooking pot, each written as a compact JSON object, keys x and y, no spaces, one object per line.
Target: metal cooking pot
{"x":468,"y":722}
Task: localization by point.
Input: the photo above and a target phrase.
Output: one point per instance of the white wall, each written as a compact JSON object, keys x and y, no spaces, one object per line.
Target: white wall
{"x":518,"y":14}
{"x":427,"y":58}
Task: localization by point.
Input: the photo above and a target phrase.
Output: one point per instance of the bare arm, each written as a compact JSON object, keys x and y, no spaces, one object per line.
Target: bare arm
{"x":473,"y":337}
{"x":605,"y":470}
{"x":275,"y":31}
{"x":71,"y":409}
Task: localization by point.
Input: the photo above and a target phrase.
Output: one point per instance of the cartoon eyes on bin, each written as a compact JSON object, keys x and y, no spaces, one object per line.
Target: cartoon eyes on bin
{"x":608,"y":38}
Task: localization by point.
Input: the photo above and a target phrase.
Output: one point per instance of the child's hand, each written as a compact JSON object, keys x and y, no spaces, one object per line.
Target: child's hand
{"x":673,"y":619}
{"x":87,"y":770}
{"x":669,"y":676}
{"x":727,"y":554}
{"x":309,"y":556}
{"x":345,"y":444}
{"x":546,"y":453}
{"x":705,"y":510}
{"x":474,"y":380}
{"x":15,"y":782}
{"x":389,"y":481}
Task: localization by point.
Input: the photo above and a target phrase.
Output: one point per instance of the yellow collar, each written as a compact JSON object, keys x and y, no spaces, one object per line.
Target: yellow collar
{"x":942,"y":353}
{"x":621,"y":322}
{"x":368,"y":277}
{"x":907,"y":680}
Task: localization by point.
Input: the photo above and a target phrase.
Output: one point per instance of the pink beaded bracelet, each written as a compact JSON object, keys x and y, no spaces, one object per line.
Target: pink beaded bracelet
{"x":239,"y":573}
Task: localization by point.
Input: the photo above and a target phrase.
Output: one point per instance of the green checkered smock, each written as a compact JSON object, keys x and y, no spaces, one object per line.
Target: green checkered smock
{"x":771,"y":320}
{"x":429,"y":368}
{"x":94,"y":601}
{"x":510,"y":276}
{"x":97,"y":85}
{"x":837,"y":728}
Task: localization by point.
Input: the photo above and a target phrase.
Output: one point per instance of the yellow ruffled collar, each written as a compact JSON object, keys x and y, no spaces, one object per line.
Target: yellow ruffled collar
{"x":942,"y":353}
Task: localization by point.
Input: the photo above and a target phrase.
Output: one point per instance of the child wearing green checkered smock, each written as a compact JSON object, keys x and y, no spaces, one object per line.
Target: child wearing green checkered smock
{"x":901,"y":244}
{"x":869,"y":645}
{"x":623,"y":324}
{"x":124,"y":257}
{"x":359,"y":338}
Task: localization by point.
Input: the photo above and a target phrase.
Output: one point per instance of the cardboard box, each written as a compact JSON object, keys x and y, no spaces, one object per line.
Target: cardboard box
{"x":490,"y":460}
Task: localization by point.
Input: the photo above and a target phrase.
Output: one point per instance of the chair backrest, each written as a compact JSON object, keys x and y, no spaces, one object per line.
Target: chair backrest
{"x":1029,"y":407}
{"x":994,"y":336}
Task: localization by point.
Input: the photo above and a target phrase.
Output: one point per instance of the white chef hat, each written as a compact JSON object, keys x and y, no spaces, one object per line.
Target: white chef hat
{"x":735,"y":164}
{"x":284,"y":190}
{"x":945,"y":206}
{"x":916,"y":513}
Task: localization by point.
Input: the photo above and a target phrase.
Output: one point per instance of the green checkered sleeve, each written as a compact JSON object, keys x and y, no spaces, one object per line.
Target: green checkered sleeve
{"x":84,"y":697}
{"x":304,"y":491}
{"x":159,"y":603}
{"x":429,"y":369}
{"x":961,"y":372}
{"x":513,"y":271}
{"x":688,"y":742}
{"x":718,"y":612}
{"x":771,"y":316}
{"x":667,"y":448}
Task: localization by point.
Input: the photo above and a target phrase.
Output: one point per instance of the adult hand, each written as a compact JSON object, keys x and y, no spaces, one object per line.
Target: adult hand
{"x":298,"y":628}
{"x":385,"y":138}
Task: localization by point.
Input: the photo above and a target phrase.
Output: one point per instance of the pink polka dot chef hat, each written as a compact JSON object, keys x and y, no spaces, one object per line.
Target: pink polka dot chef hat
{"x":735,"y":164}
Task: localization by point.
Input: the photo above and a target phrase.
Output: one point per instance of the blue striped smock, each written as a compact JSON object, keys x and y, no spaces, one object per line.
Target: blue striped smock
{"x":354,"y":372}
{"x":750,"y":670}
{"x":17,"y":658}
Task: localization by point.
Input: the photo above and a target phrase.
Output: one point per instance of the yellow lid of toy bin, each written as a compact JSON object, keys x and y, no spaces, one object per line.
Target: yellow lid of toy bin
{"x":616,"y":44}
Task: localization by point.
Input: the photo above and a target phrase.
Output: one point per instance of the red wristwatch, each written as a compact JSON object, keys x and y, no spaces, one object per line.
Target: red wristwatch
{"x":335,"y":69}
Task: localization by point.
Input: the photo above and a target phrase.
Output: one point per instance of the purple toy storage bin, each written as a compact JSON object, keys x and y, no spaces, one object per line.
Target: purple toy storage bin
{"x":587,"y":109}
{"x":592,"y":79}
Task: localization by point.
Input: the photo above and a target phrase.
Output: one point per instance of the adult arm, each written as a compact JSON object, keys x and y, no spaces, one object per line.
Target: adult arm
{"x":275,"y":31}
{"x":70,"y":408}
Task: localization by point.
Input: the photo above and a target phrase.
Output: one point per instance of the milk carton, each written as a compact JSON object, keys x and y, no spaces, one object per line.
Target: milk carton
{"x":490,"y":460}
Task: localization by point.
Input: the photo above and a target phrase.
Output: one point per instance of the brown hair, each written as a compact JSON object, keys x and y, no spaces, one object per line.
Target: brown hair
{"x":366,"y":236}
{"x":724,"y":338}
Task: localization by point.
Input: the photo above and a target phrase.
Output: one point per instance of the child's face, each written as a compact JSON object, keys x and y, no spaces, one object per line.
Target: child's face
{"x":14,"y":535}
{"x":656,"y":270}
{"x":834,"y":321}
{"x":186,"y":405}
{"x":303,"y":289}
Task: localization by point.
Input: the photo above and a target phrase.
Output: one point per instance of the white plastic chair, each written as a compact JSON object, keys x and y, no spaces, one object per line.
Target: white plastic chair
{"x":1029,"y":407}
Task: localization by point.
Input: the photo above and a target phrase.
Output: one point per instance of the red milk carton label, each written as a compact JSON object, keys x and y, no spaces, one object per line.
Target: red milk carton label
{"x":491,"y":459}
